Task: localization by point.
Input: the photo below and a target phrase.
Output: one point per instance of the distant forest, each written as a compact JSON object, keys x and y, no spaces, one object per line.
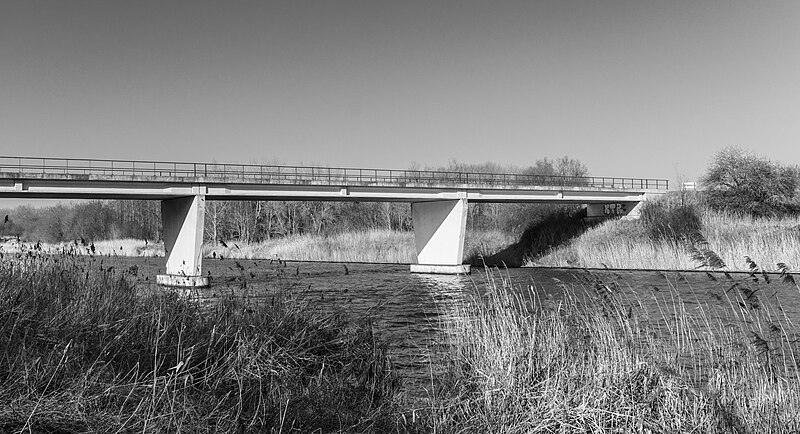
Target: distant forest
{"x":254,"y":221}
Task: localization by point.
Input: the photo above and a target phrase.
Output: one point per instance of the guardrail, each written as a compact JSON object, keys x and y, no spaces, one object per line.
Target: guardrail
{"x":273,"y":174}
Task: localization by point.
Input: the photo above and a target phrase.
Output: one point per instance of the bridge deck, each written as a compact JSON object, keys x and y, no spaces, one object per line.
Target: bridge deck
{"x":89,"y":178}
{"x":132,"y":170}
{"x":439,"y":199}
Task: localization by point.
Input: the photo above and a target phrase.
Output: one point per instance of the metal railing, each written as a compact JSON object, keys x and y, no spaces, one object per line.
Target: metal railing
{"x":273,"y":174}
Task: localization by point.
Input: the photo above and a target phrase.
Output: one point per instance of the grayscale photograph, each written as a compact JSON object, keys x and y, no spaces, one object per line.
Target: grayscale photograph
{"x":371,"y":216}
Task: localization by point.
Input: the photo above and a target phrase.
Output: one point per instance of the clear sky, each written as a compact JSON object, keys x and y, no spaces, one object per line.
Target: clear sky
{"x":631,"y":87}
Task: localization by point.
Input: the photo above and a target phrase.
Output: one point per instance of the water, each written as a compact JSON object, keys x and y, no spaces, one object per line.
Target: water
{"x":406,"y":308}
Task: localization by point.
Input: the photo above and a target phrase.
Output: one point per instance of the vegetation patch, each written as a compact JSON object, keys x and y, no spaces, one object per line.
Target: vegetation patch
{"x":597,"y":360}
{"x":84,"y":350}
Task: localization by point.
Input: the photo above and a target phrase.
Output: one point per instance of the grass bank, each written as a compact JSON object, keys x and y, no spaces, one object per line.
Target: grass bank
{"x":627,"y":244}
{"x":84,"y":351}
{"x":605,"y":363}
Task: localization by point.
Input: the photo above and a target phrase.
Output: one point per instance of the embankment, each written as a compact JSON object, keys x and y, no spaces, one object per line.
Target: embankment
{"x":629,"y":244}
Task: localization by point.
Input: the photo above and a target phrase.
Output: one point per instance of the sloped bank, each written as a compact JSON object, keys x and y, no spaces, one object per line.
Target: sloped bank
{"x":739,"y":242}
{"x":554,"y":230}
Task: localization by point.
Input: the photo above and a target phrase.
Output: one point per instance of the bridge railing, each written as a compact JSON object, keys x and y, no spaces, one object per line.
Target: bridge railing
{"x":275,"y":174}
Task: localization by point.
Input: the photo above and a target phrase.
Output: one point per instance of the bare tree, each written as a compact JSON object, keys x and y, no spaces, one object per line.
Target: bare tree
{"x":216,"y":219}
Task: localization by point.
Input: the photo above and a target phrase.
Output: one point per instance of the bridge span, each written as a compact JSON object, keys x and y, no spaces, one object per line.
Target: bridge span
{"x":438,"y":199}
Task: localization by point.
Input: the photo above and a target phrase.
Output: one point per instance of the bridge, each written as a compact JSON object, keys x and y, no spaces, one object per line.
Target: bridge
{"x":438,"y":199}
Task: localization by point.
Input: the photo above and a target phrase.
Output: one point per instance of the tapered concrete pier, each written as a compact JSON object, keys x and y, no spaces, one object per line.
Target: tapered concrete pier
{"x":183,"y":222}
{"x":439,"y":229}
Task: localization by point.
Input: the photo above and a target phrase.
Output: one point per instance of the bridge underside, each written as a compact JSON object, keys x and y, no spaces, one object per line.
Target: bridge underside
{"x":439,"y":212}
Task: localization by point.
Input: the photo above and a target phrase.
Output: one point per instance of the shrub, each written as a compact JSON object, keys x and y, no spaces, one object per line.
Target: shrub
{"x":743,"y":183}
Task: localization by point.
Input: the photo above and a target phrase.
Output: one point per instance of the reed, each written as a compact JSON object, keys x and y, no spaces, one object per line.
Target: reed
{"x":625,"y":244}
{"x":604,"y":362}
{"x":367,"y":246}
{"x":116,"y":247}
{"x":364,"y":246}
{"x":84,"y":350}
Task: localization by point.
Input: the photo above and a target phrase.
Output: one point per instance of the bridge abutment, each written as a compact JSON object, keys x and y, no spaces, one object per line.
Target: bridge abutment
{"x":183,"y":222}
{"x":439,"y":228}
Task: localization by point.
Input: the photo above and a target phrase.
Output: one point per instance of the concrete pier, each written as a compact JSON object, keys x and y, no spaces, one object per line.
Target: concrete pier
{"x":439,"y":228}
{"x":183,"y":222}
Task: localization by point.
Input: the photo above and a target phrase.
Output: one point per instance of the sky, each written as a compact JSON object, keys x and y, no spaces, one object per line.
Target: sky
{"x":632,"y":88}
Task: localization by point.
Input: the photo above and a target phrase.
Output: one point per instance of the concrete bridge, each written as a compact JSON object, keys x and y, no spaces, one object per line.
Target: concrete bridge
{"x":438,"y":199}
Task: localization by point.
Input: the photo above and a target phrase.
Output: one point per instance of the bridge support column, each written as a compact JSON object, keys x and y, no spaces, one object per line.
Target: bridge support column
{"x":182,"y":219}
{"x":439,"y":228}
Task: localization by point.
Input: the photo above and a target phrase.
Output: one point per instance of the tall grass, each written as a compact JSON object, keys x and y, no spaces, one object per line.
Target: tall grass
{"x":367,"y":246}
{"x":606,"y":363}
{"x":117,"y":247}
{"x":625,"y":244}
{"x":85,"y":350}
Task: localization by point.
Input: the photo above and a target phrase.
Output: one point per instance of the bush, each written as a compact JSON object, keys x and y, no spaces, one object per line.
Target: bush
{"x":743,"y":183}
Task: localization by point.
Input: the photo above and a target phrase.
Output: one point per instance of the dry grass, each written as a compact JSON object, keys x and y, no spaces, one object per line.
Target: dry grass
{"x":117,"y":247}
{"x":767,"y":241}
{"x":84,"y":351}
{"x":369,"y":246}
{"x":607,"y":364}
{"x":624,"y":244}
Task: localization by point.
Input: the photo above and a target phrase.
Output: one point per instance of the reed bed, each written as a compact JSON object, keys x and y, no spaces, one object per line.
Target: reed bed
{"x":117,"y":247}
{"x":610,"y":361}
{"x":84,"y":350}
{"x":368,"y":246}
{"x":624,"y":244}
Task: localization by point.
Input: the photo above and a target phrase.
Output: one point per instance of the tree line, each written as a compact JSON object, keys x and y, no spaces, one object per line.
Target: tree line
{"x":254,"y":221}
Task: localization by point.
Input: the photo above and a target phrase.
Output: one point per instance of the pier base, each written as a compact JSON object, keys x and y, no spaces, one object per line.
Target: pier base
{"x":182,"y":281}
{"x":440,"y":269}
